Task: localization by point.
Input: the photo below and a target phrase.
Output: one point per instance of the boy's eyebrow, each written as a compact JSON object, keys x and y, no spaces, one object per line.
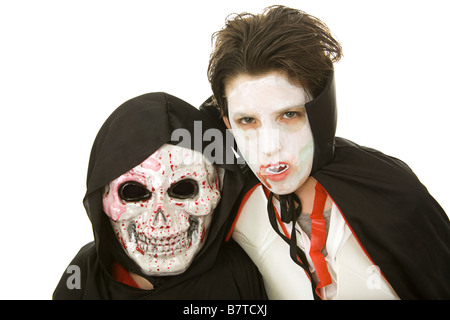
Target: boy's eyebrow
{"x":241,"y":115}
{"x":284,"y":109}
{"x":290,"y":108}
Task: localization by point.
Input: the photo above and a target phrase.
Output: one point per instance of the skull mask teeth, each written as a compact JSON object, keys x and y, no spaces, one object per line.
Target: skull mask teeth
{"x":161,"y":210}
{"x":168,"y":245}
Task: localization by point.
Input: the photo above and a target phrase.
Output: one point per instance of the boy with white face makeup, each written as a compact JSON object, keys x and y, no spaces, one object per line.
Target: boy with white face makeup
{"x":357,"y":222}
{"x":269,"y":108}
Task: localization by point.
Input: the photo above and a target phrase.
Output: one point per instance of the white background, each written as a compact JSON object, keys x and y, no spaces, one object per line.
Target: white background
{"x":66,"y":65}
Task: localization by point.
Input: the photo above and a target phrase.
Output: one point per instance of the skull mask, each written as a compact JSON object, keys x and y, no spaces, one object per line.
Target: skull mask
{"x":161,"y":210}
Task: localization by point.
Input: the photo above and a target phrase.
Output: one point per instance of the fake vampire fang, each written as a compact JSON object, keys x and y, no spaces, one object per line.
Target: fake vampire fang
{"x":277,"y":169}
{"x":275,"y":172}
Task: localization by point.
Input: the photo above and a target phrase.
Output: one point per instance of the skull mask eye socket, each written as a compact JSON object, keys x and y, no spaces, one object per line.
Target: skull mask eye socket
{"x":184,"y":189}
{"x":132,"y":191}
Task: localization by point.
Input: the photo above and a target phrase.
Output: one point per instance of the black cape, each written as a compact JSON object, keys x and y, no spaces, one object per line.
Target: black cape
{"x":133,"y":132}
{"x":401,"y":227}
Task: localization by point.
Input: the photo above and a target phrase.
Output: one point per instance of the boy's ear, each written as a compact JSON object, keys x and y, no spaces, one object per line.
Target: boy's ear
{"x":227,"y":123}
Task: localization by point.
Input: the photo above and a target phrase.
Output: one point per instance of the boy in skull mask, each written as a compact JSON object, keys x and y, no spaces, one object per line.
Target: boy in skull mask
{"x":159,"y":210}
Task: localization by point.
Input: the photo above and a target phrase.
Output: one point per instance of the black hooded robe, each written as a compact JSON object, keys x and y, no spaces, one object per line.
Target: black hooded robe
{"x":399,"y":225}
{"x":130,"y":135}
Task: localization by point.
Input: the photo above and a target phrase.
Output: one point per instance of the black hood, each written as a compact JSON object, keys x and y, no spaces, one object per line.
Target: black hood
{"x":133,"y":132}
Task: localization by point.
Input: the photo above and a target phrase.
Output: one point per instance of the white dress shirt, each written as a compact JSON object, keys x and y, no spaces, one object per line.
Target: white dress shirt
{"x":353,"y":274}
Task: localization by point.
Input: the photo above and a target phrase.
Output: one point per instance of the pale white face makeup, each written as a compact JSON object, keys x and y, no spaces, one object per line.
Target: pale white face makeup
{"x":269,"y":122}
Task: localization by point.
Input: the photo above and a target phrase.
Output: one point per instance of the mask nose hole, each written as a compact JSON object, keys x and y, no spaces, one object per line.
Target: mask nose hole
{"x":160,"y":217}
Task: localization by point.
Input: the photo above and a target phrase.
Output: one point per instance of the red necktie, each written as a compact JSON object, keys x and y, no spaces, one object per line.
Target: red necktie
{"x":319,"y":237}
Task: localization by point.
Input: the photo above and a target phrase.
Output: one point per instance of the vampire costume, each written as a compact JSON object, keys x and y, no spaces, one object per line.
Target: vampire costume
{"x":159,"y":211}
{"x":385,"y":237}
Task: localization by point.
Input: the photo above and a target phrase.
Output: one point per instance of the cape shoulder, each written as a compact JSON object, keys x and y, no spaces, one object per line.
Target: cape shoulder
{"x":400,"y":226}
{"x":391,"y":213}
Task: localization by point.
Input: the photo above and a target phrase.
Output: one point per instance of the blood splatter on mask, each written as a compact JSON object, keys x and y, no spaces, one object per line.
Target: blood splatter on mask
{"x":161,"y":210}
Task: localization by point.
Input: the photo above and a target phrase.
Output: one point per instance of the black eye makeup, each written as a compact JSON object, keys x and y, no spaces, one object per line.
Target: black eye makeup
{"x":184,"y":189}
{"x":133,"y":191}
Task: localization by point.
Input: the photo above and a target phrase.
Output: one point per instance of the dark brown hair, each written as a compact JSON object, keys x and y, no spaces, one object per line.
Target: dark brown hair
{"x":280,"y":39}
